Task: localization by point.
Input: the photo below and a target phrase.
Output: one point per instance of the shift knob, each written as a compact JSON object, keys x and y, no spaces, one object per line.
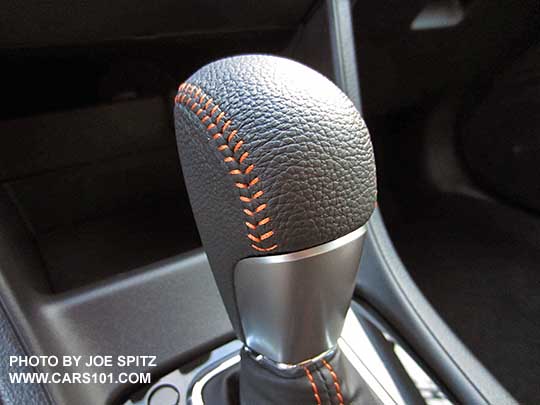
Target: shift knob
{"x":280,"y":173}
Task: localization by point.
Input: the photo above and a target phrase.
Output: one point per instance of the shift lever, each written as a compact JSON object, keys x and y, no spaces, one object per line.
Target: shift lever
{"x":281,"y":176}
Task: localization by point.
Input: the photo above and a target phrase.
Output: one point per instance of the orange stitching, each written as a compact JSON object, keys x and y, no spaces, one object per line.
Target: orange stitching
{"x":253,"y":238}
{"x":254,"y":181}
{"x":260,"y":208}
{"x":263,"y":221}
{"x":253,"y":197}
{"x":313,"y":386}
{"x":243,"y":157}
{"x":231,"y":135}
{"x":194,"y":105}
{"x":336,"y":381}
{"x":260,"y":249}
{"x":238,"y":145}
{"x":260,"y":223}
{"x":266,"y":235}
{"x":263,"y":236}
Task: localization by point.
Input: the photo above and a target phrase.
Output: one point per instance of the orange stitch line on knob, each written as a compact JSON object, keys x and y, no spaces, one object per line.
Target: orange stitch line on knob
{"x":238,"y":145}
{"x":313,"y":385}
{"x":263,"y":221}
{"x":231,"y":135}
{"x":243,"y":157}
{"x":226,"y":125}
{"x":260,"y":223}
{"x":260,"y":249}
{"x":266,"y":235}
{"x":254,"y":181}
{"x":260,"y":208}
{"x":336,"y":381}
{"x":192,"y":104}
{"x":253,"y":197}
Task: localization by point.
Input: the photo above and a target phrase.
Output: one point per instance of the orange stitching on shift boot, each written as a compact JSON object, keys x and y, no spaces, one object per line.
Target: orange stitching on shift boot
{"x":205,"y":114}
{"x":336,"y":381}
{"x":313,"y":386}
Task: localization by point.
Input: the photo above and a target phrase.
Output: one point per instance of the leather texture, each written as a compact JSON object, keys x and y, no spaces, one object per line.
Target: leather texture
{"x":321,"y":383}
{"x":276,"y":159}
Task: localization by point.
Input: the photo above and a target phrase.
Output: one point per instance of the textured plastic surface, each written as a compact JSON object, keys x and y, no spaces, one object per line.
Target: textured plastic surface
{"x":67,"y":22}
{"x":387,"y":286}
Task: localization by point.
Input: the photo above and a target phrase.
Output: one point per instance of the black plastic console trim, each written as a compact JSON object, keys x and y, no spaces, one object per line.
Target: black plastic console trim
{"x":383,"y":280}
{"x":387,"y":286}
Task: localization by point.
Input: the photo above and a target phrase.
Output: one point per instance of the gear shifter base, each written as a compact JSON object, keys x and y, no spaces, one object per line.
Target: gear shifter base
{"x":314,"y":381}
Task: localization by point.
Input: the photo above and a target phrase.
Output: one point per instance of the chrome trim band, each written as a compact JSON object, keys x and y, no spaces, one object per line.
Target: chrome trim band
{"x":285,"y":367}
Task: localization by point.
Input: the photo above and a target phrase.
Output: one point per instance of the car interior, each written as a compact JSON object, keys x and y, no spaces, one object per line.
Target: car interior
{"x":103,"y":241}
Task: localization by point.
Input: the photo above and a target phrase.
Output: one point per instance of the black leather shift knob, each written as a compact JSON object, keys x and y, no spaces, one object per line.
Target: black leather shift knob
{"x":276,"y":159}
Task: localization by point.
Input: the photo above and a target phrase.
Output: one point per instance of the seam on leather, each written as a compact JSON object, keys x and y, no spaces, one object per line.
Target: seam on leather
{"x":325,"y":384}
{"x":313,"y":386}
{"x":339,"y":395}
{"x":234,"y":151}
